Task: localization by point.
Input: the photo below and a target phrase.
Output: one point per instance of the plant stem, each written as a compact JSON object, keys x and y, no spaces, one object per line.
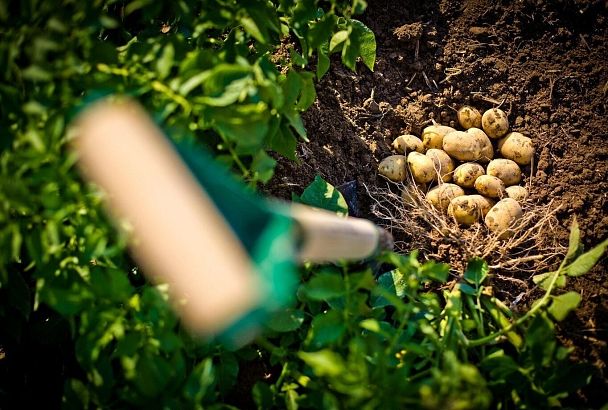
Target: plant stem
{"x":541,"y":303}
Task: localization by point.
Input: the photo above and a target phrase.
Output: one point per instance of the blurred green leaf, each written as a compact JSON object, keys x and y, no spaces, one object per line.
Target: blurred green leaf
{"x":323,"y":195}
{"x":563,"y":304}
{"x":323,"y":362}
{"x":476,"y":272}
{"x":587,"y":260}
{"x":286,"y":320}
{"x":326,"y":329}
{"x":324,"y":286}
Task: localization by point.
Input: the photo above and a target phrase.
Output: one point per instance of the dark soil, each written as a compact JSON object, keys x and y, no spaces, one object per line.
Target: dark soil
{"x":544,"y":61}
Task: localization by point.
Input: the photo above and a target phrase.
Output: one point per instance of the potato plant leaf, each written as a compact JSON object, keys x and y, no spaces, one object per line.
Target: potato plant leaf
{"x":585,"y":262}
{"x":476,"y":272}
{"x":323,"y":362}
{"x":322,"y":194}
{"x":563,"y":304}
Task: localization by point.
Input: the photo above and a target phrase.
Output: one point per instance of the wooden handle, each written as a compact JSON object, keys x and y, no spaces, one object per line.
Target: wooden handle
{"x":329,"y":237}
{"x":179,"y":237}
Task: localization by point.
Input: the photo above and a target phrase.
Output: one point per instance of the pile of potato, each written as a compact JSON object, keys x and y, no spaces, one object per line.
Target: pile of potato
{"x":482,"y":187}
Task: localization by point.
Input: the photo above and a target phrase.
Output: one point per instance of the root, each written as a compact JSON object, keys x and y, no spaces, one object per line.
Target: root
{"x":416,"y":224}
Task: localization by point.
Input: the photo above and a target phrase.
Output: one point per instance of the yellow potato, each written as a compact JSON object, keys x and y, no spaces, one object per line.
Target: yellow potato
{"x":440,"y":196}
{"x":490,"y":186}
{"x":495,"y":123}
{"x":421,"y":167}
{"x":519,"y":193}
{"x":462,"y":146}
{"x":466,"y":209}
{"x":517,"y":147}
{"x":404,"y":144}
{"x":487,"y":151}
{"x":502,"y":216}
{"x":393,"y":167}
{"x":469,"y":117}
{"x":507,"y":170}
{"x":466,"y":174}
{"x":443,"y":164}
{"x":432,"y":136}
{"x":484,"y":203}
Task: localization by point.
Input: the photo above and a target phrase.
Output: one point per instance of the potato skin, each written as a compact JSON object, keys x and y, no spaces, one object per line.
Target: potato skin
{"x":444,"y":165}
{"x":517,"y":192}
{"x":441,"y":195}
{"x":487,"y":151}
{"x":432,"y":136}
{"x":404,"y":144}
{"x":517,"y":147}
{"x":506,"y":170}
{"x":462,"y":146}
{"x":393,"y":167}
{"x":469,"y":117}
{"x":466,"y":174}
{"x":495,"y":123}
{"x":468,"y":209}
{"x":502,"y":216}
{"x":421,"y":167}
{"x":488,"y":185}
{"x":484,"y":203}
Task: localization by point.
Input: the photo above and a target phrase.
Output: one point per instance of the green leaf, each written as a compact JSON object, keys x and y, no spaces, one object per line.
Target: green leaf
{"x":366,"y":43}
{"x":585,"y":262}
{"x":324,"y":286}
{"x":322,"y":194}
{"x":326,"y":328}
{"x":308,"y":94}
{"x":322,"y":60}
{"x":574,"y":242}
{"x":544,"y":280}
{"x":262,"y":395}
{"x":284,"y":142}
{"x":323,"y":362}
{"x":476,"y":272}
{"x":337,"y":39}
{"x":436,"y":271}
{"x":563,"y":304}
{"x":286,"y":320}
{"x":263,"y":167}
{"x":165,"y":61}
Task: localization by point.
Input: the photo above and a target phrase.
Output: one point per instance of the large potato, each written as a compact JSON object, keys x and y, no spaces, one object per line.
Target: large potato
{"x":404,"y":144}
{"x":467,"y":209}
{"x":432,"y":136}
{"x":487,"y":151}
{"x":517,"y":147}
{"x":466,"y":174}
{"x":519,"y":193}
{"x":502,"y":216}
{"x":421,"y":167}
{"x":462,"y":146}
{"x":490,"y":186}
{"x":495,"y":123}
{"x":441,"y":196}
{"x":444,"y":165}
{"x":393,"y":167}
{"x":507,"y":170}
{"x":469,"y":117}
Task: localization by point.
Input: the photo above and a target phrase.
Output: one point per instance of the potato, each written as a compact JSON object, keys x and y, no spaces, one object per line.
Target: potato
{"x":495,"y":123}
{"x":408,"y":143}
{"x":484,"y":203}
{"x":487,"y":151}
{"x":443,"y":164}
{"x":440,"y":196}
{"x":507,"y":170}
{"x":502,"y":216}
{"x":469,"y":117}
{"x":466,"y":209}
{"x":462,"y":146}
{"x":466,"y":174}
{"x":490,"y":186}
{"x":519,"y":193}
{"x":393,"y":167}
{"x":421,"y":167}
{"x":432,"y":136}
{"x":517,"y":147}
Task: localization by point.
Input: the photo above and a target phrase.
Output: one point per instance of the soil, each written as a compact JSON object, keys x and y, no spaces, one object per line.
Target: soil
{"x":542,"y":61}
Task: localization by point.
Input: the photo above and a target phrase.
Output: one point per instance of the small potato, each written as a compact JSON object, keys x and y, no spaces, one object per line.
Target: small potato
{"x":443,"y":164}
{"x":441,"y":196}
{"x":490,"y":186}
{"x":517,"y":147}
{"x":502,"y":216}
{"x":432,"y":136}
{"x":462,"y":146}
{"x":487,"y":151}
{"x":469,"y":117}
{"x":519,"y":193}
{"x":404,"y":144}
{"x":466,"y":209}
{"x":421,"y":167}
{"x":393,"y":167}
{"x":507,"y":170}
{"x":466,"y":174}
{"x":495,"y":123}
